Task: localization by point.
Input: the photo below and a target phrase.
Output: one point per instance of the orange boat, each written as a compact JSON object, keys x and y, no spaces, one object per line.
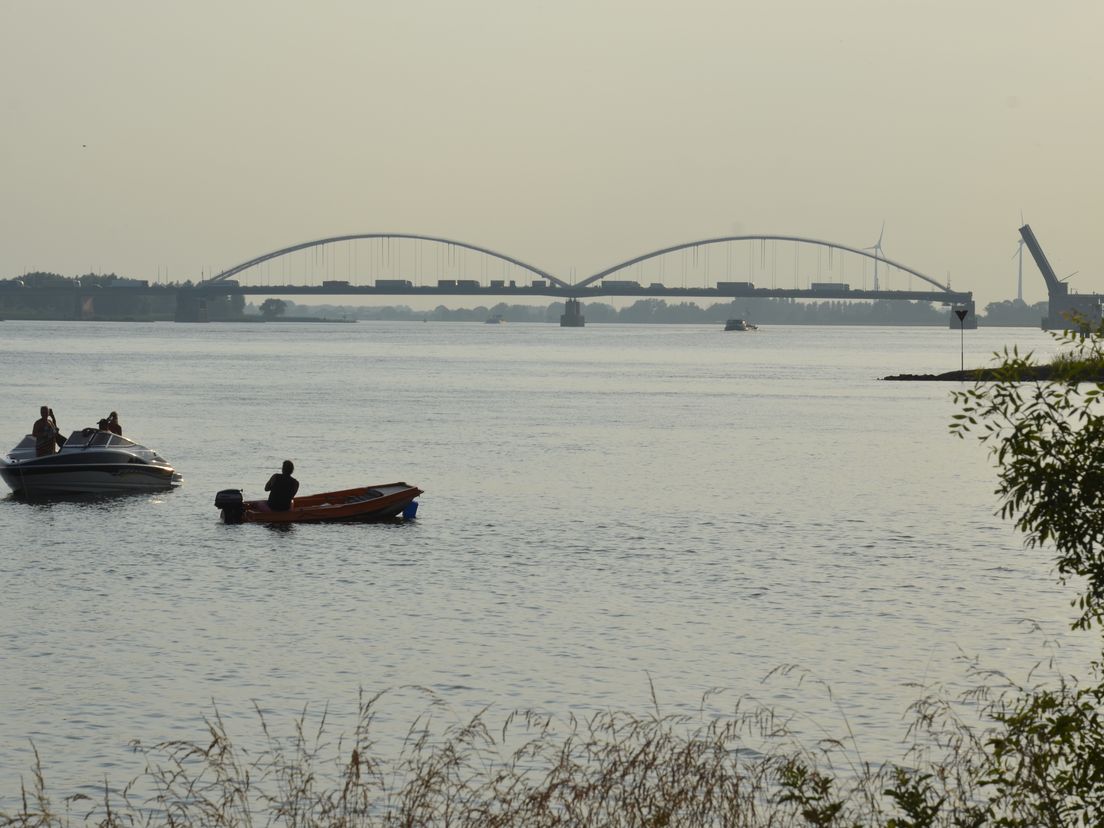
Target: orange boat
{"x":365,"y":503}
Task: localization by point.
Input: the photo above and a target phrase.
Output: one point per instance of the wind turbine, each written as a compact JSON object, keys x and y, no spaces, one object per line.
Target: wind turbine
{"x":877,"y":248}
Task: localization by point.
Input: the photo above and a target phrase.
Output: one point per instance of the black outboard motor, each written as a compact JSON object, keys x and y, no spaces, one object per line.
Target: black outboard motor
{"x":230,"y":501}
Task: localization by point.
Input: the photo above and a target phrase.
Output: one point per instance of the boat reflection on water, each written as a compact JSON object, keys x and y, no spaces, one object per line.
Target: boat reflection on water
{"x":90,"y":462}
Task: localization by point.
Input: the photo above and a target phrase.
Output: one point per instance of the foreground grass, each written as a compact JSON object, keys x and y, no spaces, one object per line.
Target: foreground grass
{"x":612,"y":769}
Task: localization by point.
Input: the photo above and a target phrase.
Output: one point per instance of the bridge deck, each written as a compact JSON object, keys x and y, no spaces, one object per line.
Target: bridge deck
{"x":550,"y":291}
{"x":594,"y":292}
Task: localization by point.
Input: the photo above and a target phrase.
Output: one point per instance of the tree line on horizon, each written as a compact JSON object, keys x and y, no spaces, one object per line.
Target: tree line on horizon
{"x":1009,"y":313}
{"x":658,"y":311}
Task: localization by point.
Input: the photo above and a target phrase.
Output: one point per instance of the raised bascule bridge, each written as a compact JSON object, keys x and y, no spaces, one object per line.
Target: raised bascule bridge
{"x":1065,"y":310}
{"x":723,"y":268}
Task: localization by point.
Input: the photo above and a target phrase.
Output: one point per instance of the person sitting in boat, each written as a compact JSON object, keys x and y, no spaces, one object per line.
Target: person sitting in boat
{"x":281,"y":488}
{"x":45,"y":432}
{"x":111,"y":423}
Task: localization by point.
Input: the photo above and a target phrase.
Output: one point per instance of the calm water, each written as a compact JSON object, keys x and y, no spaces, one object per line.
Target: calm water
{"x":601,"y":505}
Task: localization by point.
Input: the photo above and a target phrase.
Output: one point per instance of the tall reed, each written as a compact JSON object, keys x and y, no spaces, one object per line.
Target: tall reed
{"x":612,"y":768}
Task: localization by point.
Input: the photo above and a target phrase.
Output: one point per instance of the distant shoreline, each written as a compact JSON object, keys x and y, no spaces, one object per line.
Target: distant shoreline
{"x":969,"y":375}
{"x":427,"y":317}
{"x":1037,"y":373}
{"x":148,"y":319}
{"x":296,"y":319}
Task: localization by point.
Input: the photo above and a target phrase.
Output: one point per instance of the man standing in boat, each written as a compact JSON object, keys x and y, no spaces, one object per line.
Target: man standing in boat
{"x":281,"y":488}
{"x":45,"y":432}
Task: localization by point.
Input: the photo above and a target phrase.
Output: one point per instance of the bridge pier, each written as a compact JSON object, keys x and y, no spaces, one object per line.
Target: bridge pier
{"x":190,"y":308}
{"x":572,"y":317}
{"x":969,"y":322}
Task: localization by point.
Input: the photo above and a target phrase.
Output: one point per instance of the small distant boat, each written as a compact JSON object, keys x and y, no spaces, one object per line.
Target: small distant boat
{"x":740,"y":325}
{"x":364,"y":503}
{"x":495,"y":320}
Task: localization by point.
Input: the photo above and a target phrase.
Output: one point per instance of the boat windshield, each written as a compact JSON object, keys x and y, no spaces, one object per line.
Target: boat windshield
{"x":94,"y":438}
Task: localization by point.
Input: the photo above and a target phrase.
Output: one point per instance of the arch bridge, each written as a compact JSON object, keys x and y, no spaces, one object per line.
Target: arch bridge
{"x":722,"y":277}
{"x":702,"y":243}
{"x":229,"y":273}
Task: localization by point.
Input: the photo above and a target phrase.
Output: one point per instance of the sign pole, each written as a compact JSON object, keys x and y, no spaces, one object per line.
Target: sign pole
{"x":961,"y":314}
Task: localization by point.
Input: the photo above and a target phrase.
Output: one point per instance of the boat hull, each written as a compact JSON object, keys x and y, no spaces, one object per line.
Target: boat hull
{"x":84,"y":480}
{"x":87,"y":472}
{"x":361,"y":504}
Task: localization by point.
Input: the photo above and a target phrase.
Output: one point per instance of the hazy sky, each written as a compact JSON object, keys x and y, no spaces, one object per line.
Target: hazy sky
{"x":142,"y":137}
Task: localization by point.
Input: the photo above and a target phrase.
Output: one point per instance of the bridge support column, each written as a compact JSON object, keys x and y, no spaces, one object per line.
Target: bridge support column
{"x":190,"y":308}
{"x":969,"y":322}
{"x":572,"y":316}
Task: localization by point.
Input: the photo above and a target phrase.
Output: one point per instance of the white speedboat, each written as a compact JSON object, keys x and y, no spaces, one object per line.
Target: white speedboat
{"x":90,"y":462}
